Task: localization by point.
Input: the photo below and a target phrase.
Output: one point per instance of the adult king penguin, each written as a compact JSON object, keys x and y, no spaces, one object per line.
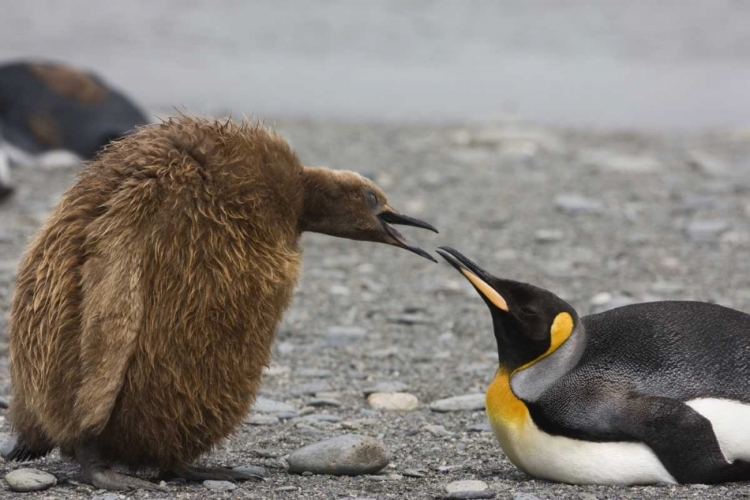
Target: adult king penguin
{"x":646,"y":393}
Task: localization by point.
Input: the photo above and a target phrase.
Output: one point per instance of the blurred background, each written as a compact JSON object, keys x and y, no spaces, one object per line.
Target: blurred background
{"x":599,"y":149}
{"x":671,"y":64}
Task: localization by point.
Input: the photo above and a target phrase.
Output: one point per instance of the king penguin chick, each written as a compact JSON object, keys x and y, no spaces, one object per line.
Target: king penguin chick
{"x":646,"y":393}
{"x":145,"y":308}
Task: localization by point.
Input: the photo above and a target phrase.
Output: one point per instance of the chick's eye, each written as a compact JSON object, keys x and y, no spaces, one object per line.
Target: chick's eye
{"x":371,"y":197}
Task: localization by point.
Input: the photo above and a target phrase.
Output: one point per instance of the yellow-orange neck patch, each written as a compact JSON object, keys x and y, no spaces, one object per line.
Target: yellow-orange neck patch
{"x":503,"y":406}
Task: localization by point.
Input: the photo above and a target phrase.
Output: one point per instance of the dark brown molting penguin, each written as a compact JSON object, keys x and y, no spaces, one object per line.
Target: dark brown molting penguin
{"x":145,"y":308}
{"x":47,"y":106}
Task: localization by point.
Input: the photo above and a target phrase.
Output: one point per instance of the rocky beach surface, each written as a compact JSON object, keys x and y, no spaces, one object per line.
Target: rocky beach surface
{"x":378,"y":363}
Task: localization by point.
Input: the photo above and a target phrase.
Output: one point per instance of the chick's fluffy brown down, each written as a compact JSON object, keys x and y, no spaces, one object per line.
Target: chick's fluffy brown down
{"x":145,"y":309}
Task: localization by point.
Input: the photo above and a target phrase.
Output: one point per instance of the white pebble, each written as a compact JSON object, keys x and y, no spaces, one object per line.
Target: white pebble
{"x":601,"y":298}
{"x":398,"y":401}
{"x":23,"y":480}
{"x":467,"y":402}
{"x":468,"y":485}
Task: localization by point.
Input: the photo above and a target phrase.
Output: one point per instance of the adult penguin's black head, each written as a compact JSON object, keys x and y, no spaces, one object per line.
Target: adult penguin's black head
{"x":528,"y":321}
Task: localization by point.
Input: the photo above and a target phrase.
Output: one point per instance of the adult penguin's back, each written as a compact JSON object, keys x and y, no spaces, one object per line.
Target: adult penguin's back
{"x":688,"y":349}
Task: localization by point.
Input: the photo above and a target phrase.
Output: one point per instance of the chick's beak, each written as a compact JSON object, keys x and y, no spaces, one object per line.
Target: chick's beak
{"x":389,"y":217}
{"x":475,"y":274}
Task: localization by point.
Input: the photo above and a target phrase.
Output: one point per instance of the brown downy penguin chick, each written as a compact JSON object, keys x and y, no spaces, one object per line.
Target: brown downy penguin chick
{"x":145,"y":308}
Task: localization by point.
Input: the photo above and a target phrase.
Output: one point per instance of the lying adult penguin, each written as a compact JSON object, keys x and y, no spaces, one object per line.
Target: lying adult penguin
{"x":646,"y":393}
{"x":49,"y":106}
{"x":145,"y":308}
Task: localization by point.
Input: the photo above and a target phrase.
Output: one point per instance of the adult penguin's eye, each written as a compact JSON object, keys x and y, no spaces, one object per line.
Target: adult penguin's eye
{"x":527,"y":311}
{"x":372,"y":198}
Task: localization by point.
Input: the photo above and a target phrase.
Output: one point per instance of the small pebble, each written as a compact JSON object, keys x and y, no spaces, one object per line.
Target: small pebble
{"x":286,"y":415}
{"x":415,"y":473}
{"x":346,"y":331}
{"x":471,"y":495}
{"x":438,"y":430}
{"x":692,"y":203}
{"x":548,"y":235}
{"x":666,"y":287}
{"x":307,"y":410}
{"x":284,"y":489}
{"x":495,"y":221}
{"x":4,"y":403}
{"x":350,"y":454}
{"x":410,"y":319}
{"x":448,"y":468}
{"x":322,"y":417}
{"x":268,"y":453}
{"x":467,"y":402}
{"x":339,"y":290}
{"x":260,"y":419}
{"x":704,"y":231}
{"x":219,"y":485}
{"x":328,"y":395}
{"x":560,"y":269}
{"x":386,"y":387}
{"x":396,"y":401}
{"x":578,"y":205}
{"x":311,"y":388}
{"x":505,"y":254}
{"x":587,"y":496}
{"x":318,"y":402}
{"x":8,"y":446}
{"x":24,"y":480}
{"x":386,"y":352}
{"x":106,"y":496}
{"x":524,"y":496}
{"x":601,"y":298}
{"x":468,"y":485}
{"x":707,"y":164}
{"x":313,"y":373}
{"x":265,"y":405}
{"x":614,"y":162}
{"x":364,"y":421}
{"x":481,"y":427}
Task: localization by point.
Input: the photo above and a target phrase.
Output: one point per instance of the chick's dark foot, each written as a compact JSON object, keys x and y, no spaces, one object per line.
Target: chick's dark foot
{"x":196,"y":473}
{"x":97,"y":473}
{"x":108,"y":479}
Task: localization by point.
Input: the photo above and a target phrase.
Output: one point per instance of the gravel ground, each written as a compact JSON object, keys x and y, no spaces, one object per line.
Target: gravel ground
{"x":600,"y":219}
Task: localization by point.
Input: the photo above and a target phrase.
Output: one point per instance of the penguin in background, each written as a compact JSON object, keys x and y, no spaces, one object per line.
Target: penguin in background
{"x":647,"y":393}
{"x":53,"y":113}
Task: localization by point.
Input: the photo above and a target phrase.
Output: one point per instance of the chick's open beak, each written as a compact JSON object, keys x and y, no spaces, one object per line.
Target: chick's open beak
{"x":387,"y":218}
{"x":475,"y":274}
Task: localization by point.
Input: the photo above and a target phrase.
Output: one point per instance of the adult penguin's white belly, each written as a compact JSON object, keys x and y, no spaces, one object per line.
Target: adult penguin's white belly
{"x":563,"y":459}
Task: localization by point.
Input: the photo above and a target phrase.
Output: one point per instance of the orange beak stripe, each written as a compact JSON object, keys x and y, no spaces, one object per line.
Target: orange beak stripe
{"x":486,"y":290}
